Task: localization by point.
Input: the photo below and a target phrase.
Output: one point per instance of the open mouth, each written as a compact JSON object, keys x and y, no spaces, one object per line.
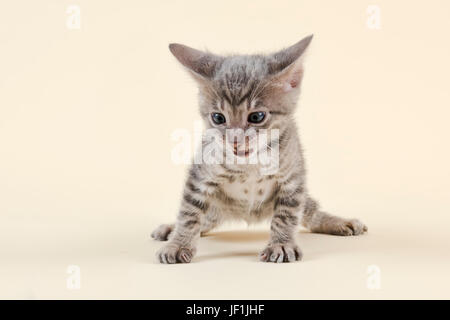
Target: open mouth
{"x":242,"y":152}
{"x":242,"y":149}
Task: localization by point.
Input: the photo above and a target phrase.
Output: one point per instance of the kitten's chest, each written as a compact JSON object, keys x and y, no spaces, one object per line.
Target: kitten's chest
{"x":253,"y":189}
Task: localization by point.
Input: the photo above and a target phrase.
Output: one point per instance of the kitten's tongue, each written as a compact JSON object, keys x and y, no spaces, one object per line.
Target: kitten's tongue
{"x":242,"y":153}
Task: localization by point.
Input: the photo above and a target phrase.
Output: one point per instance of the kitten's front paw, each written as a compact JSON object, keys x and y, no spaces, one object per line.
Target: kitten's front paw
{"x":287,"y":252}
{"x":173,"y":253}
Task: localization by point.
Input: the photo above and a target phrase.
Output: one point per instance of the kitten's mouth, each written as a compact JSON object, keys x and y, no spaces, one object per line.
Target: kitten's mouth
{"x":242,"y":153}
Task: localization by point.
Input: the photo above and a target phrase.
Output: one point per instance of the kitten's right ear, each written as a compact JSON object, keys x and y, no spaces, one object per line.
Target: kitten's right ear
{"x":199,"y":63}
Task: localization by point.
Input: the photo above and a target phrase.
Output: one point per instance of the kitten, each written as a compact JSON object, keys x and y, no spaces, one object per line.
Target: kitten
{"x":249,"y":92}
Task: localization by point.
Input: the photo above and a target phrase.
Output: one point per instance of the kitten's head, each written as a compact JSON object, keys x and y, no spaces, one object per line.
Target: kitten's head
{"x":245,"y":91}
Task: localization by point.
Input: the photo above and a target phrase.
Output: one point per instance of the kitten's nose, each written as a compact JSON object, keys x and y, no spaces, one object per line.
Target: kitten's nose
{"x":235,"y":136}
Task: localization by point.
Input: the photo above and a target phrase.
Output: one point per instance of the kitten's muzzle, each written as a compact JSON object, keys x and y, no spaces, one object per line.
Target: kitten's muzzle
{"x":242,"y":149}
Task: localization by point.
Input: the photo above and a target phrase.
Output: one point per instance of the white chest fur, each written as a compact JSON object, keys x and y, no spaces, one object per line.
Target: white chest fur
{"x":254,"y":189}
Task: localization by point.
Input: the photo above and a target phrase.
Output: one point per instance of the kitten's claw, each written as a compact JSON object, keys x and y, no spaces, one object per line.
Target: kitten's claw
{"x":171,"y":253}
{"x":163,"y":232}
{"x":288,"y":252}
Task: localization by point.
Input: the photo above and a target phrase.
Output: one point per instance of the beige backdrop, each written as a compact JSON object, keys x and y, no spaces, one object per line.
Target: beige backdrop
{"x":86,"y":118}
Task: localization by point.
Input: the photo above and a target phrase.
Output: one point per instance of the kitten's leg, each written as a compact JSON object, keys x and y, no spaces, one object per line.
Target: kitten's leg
{"x":181,"y":245}
{"x":322,"y":222}
{"x":212,"y":220}
{"x":163,"y":232}
{"x":282,"y":246}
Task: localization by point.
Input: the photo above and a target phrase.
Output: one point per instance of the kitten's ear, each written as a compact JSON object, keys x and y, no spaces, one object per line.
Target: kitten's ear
{"x":200,"y":64}
{"x":286,"y":66}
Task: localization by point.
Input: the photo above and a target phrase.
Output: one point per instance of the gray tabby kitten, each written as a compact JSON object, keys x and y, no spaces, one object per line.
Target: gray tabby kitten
{"x":243,"y":92}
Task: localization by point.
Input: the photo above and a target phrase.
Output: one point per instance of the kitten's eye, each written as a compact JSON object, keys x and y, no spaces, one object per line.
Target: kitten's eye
{"x":218,"y":118}
{"x":256,"y":117}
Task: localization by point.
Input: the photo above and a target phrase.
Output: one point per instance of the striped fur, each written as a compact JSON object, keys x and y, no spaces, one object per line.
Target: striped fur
{"x":236,"y":86}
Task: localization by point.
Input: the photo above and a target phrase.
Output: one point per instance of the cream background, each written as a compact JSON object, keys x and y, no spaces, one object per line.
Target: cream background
{"x":85,"y":170}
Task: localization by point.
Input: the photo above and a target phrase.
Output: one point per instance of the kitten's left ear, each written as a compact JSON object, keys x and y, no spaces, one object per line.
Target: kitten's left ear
{"x":286,"y":66}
